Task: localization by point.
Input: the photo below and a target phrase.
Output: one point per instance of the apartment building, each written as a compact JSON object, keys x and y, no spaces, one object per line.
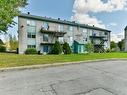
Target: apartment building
{"x":42,"y":32}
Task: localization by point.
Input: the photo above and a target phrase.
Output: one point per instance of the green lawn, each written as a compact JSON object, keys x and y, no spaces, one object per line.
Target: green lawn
{"x":12,"y":60}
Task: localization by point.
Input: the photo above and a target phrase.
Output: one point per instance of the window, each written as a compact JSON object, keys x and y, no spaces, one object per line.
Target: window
{"x":94,"y":34}
{"x":45,"y":37}
{"x":86,"y":39}
{"x":31,"y":35}
{"x":70,"y":28}
{"x":60,"y":28}
{"x":90,"y":32}
{"x":79,"y":48}
{"x":106,"y":33}
{"x":31,"y":32}
{"x":46,"y":26}
{"x":31,"y":41}
{"x":84,"y":31}
{"x":31,"y":23}
{"x":61,"y":39}
{"x":31,"y":46}
{"x":71,"y":39}
{"x":31,"y":29}
{"x":45,"y":48}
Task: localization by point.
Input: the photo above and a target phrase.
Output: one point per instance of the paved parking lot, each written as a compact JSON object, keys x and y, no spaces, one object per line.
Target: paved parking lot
{"x":95,"y":78}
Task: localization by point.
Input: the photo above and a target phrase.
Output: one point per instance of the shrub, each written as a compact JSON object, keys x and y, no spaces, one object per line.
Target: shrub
{"x":89,"y":47}
{"x":56,"y":49}
{"x":108,"y":50}
{"x":31,"y":51}
{"x":66,"y":48}
{"x":2,"y":48}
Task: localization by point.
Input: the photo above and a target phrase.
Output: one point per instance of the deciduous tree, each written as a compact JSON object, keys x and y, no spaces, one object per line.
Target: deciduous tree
{"x":113,"y":45}
{"x":121,"y":45}
{"x":8,"y":10}
{"x":13,"y":42}
{"x":89,"y":47}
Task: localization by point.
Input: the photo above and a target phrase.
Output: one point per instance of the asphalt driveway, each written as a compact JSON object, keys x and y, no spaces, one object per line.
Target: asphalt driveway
{"x":95,"y":78}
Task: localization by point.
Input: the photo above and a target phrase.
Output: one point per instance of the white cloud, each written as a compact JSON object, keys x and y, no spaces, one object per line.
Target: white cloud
{"x":86,"y":19}
{"x":112,"y":24}
{"x":2,"y":36}
{"x":116,"y":37}
{"x":82,"y":8}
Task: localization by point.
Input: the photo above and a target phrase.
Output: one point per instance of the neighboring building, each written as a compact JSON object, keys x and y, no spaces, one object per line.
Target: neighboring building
{"x":125,"y":38}
{"x":42,"y":32}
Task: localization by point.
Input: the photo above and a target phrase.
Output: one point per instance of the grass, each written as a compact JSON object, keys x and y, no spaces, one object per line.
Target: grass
{"x":14,"y":60}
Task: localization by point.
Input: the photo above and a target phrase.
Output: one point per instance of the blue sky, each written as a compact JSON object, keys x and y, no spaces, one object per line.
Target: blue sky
{"x":113,"y":20}
{"x":49,"y":8}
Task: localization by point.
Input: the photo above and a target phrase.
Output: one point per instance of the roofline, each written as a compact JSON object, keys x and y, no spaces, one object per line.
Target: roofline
{"x":61,"y":22}
{"x":125,"y":28}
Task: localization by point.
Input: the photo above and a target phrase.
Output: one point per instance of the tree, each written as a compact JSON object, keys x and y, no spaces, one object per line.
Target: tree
{"x":8,"y":10}
{"x":56,"y":49}
{"x":13,"y":42}
{"x":66,"y":48}
{"x":89,"y":47}
{"x":113,"y":45}
{"x":121,"y":45}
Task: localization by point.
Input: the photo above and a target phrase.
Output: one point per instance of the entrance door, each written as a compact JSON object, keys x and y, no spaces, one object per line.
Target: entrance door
{"x":81,"y":49}
{"x":46,"y":48}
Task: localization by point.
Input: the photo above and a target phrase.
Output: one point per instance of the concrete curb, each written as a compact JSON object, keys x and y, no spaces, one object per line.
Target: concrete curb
{"x":56,"y":64}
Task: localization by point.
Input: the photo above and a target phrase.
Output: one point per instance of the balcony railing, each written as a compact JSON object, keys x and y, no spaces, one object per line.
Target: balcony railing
{"x":94,"y":36}
{"x":47,"y":43}
{"x":56,"y":33}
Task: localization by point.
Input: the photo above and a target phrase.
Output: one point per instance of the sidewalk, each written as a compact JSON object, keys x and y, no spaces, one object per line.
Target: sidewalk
{"x":55,"y":64}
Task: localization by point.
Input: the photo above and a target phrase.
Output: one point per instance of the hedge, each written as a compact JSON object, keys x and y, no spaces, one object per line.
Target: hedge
{"x":31,"y":51}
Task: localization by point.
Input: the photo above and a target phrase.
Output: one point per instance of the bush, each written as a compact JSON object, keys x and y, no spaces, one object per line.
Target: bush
{"x":66,"y":48}
{"x":31,"y":51}
{"x":56,"y":49}
{"x":2,"y":48}
{"x":89,"y":47}
{"x":108,"y":50}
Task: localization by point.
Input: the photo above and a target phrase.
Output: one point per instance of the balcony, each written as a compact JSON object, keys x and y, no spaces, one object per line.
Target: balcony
{"x":56,"y":33}
{"x":47,"y":43}
{"x":99,"y":45}
{"x":94,"y":36}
